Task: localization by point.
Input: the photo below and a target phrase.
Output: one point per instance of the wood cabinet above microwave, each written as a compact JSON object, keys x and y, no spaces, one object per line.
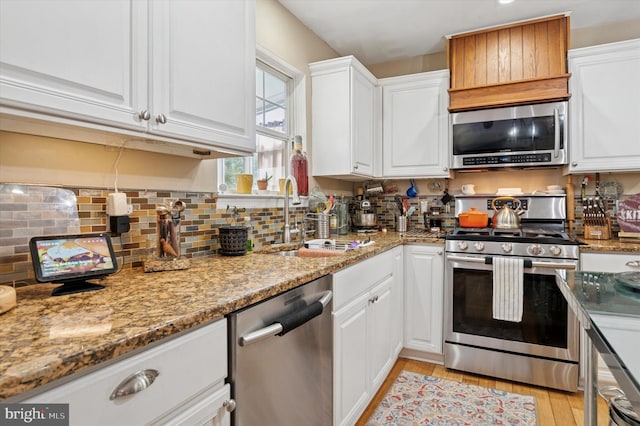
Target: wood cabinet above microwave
{"x":520,"y":63}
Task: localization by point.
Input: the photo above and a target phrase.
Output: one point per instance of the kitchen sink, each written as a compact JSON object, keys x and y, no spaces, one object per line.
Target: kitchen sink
{"x":286,"y":253}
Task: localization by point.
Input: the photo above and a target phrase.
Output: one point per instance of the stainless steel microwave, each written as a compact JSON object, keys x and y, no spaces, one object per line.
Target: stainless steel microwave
{"x":520,"y":136}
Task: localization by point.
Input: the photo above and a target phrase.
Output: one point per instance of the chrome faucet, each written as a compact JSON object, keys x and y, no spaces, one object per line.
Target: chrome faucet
{"x":290,"y":181}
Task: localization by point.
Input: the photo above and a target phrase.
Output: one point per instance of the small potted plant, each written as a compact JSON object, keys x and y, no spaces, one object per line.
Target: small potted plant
{"x":263,"y":183}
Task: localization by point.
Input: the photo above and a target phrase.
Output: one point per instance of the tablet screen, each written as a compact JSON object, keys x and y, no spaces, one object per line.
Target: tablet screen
{"x":72,"y":257}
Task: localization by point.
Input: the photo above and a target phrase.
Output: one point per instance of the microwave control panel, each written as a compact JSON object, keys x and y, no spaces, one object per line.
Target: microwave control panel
{"x":507,"y":159}
{"x":524,"y":203}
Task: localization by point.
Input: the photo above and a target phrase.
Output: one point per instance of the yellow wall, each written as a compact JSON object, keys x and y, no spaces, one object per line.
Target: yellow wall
{"x":281,"y":33}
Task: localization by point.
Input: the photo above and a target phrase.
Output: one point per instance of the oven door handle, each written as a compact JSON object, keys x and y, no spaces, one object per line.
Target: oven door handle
{"x":288,"y":322}
{"x":527,"y":263}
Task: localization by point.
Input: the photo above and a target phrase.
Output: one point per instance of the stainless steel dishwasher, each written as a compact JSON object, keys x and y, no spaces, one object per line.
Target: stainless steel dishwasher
{"x":281,"y":358}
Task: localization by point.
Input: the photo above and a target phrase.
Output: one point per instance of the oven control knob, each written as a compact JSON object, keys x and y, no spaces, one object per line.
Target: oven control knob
{"x":462,"y":245}
{"x":535,"y":250}
{"x":478,"y":246}
{"x":555,"y":250}
{"x":507,"y":247}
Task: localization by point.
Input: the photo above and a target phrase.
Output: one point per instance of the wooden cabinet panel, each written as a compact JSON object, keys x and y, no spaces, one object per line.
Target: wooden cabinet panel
{"x":485,"y":64}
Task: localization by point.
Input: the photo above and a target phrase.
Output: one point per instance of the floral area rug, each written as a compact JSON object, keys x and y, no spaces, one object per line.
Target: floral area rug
{"x":415,"y":399}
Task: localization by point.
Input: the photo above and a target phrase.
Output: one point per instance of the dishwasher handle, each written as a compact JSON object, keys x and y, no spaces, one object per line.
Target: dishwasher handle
{"x":288,"y":322}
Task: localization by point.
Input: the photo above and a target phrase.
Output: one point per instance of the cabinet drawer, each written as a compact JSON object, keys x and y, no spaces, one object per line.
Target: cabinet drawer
{"x":609,"y":262}
{"x":187,"y":365}
{"x":352,"y":281}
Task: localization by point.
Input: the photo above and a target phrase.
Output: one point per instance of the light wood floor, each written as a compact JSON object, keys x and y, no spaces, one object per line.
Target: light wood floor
{"x":555,"y":408}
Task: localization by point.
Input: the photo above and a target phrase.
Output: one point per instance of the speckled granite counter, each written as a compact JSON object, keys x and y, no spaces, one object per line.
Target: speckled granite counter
{"x":45,"y":338}
{"x":615,"y":245}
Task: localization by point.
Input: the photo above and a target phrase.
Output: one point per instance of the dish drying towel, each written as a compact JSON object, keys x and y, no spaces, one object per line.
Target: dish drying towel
{"x":508,"y":278}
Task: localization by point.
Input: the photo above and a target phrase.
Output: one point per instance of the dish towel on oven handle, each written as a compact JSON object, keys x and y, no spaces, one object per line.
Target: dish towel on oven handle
{"x":508,"y":282}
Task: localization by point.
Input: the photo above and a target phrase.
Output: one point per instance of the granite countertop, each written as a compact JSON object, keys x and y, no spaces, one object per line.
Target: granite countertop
{"x":614,"y":245}
{"x":46,"y":338}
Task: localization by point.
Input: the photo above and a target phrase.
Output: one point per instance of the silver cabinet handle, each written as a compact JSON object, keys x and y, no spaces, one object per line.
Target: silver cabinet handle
{"x":355,"y":167}
{"x":633,"y":263}
{"x":161,"y":119}
{"x":144,"y":115}
{"x":277,"y":328}
{"x":440,"y":253}
{"x":135,"y":383}
{"x":229,"y":405}
{"x":574,"y":164}
{"x":446,"y":169}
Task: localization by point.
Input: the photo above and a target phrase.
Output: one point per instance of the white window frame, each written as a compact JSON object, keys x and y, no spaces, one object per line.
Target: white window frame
{"x":297,"y":121}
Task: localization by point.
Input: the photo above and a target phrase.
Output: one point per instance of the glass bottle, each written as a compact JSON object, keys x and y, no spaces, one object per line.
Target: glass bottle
{"x":299,"y":167}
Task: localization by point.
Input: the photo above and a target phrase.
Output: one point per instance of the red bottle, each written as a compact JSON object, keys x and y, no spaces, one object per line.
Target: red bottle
{"x":299,"y":167}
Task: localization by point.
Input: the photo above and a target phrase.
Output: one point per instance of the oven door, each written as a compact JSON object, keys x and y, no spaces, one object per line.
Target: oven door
{"x":548,"y":328}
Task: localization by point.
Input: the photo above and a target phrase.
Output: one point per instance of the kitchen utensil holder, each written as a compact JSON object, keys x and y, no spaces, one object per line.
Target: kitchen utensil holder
{"x":321,"y":221}
{"x":233,"y":240}
{"x":401,"y":224}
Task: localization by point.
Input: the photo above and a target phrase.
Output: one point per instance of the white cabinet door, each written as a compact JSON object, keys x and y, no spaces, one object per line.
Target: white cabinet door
{"x":415,"y":139}
{"x":181,"y":70}
{"x":212,"y":410}
{"x":424,"y":292}
{"x":604,"y":107}
{"x":76,"y":59}
{"x":203,"y":71}
{"x":363,"y":333}
{"x":350,"y":366}
{"x":346,"y":116}
{"x":397,"y":295}
{"x":380,"y":333}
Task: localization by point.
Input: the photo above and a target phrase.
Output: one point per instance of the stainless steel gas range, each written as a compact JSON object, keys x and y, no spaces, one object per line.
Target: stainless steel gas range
{"x":541,"y":345}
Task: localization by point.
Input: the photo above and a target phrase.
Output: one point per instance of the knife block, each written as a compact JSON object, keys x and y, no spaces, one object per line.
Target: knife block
{"x":598,"y":232}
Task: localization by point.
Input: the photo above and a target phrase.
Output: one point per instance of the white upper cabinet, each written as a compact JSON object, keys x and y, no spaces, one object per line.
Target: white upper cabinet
{"x":175,"y":71}
{"x":604,"y":108}
{"x":415,"y":125}
{"x":203,"y":71}
{"x":345,"y":119}
{"x":77,"y":59}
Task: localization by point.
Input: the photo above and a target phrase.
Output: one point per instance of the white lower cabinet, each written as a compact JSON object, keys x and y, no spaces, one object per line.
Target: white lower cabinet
{"x":397,"y":301}
{"x":188,"y":388}
{"x":424,"y":300}
{"x":607,"y":262}
{"x":363,"y":330}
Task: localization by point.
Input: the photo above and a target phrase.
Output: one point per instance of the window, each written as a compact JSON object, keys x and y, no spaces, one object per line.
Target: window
{"x":277,"y":87}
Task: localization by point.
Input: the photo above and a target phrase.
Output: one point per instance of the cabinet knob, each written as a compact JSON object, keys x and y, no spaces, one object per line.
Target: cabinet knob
{"x":440,"y":253}
{"x":355,"y":167}
{"x":229,"y":405}
{"x":446,"y":169}
{"x":161,"y":119}
{"x":144,"y":115}
{"x":574,"y":164}
{"x":135,"y":383}
{"x":633,"y":263}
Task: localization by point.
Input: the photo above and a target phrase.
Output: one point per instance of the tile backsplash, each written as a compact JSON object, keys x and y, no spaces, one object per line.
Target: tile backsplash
{"x":27,"y":211}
